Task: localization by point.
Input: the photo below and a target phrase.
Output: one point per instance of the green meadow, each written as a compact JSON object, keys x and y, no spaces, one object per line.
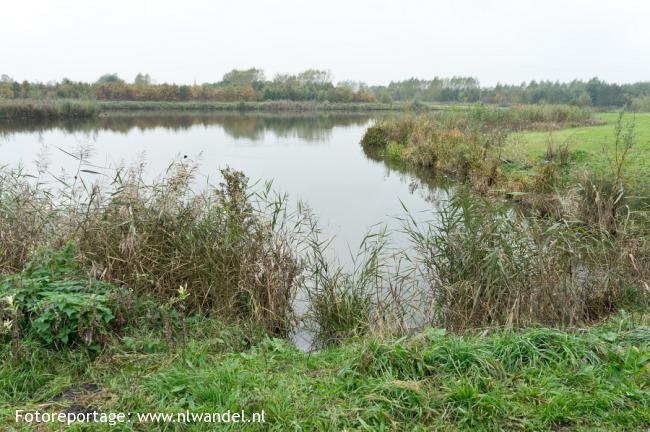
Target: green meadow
{"x":590,"y":146}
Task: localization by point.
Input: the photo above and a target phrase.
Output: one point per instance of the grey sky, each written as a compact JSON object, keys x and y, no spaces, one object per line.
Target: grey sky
{"x":374,"y":41}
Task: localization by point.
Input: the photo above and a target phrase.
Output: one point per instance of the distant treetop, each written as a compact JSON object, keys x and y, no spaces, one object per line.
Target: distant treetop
{"x":319,"y":85}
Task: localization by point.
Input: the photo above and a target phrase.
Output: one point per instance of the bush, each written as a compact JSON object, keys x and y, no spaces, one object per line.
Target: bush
{"x":51,"y":300}
{"x":235,"y":263}
{"x":641,"y":104}
{"x":376,"y":137}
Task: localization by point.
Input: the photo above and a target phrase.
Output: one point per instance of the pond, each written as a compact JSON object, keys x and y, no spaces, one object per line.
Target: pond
{"x":312,"y":157}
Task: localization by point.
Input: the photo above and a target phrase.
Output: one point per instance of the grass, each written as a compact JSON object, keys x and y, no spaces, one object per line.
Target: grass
{"x":50,"y":109}
{"x":47,"y":109}
{"x":586,"y":146}
{"x":565,"y":254}
{"x":248,"y":106}
{"x":245,"y":256}
{"x":488,"y":264}
{"x":536,"y":379}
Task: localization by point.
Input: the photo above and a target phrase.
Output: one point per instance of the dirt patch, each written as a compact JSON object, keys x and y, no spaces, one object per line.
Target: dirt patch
{"x":73,"y":392}
{"x":78,"y":399}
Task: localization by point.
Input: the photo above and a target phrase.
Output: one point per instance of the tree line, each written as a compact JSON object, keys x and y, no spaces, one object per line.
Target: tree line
{"x":317,"y":85}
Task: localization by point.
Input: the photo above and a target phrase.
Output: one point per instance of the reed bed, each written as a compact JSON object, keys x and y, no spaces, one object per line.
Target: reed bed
{"x":241,"y":255}
{"x":272,"y":106}
{"x":487,"y":264}
{"x":236,"y":260}
{"x":47,"y":109}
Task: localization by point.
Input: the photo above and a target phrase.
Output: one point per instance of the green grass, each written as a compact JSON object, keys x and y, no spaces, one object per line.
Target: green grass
{"x":537,"y":379}
{"x":50,"y":109}
{"x":245,"y":106}
{"x":587,"y":144}
{"x":273,"y":106}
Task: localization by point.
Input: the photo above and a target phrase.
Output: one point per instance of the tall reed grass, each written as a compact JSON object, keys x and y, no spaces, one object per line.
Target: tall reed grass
{"x":242,"y":255}
{"x":47,"y":109}
{"x":234,"y":252}
{"x":277,"y":106}
{"x":486,"y":264}
{"x":449,"y":143}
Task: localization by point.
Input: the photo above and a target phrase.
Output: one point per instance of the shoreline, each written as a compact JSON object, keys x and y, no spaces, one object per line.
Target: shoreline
{"x":48,"y":109}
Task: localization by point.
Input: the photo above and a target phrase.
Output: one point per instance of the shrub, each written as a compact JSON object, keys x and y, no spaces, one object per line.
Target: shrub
{"x":641,"y":104}
{"x":51,"y":300}
{"x":602,"y":197}
{"x":235,"y":262}
{"x":376,"y":137}
{"x":448,"y":143}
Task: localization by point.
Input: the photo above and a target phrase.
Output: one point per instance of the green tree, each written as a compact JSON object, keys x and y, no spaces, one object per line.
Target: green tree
{"x":15,"y":87}
{"x":246,"y":77}
{"x":110,"y":79}
{"x":184,"y":92}
{"x":142,"y":79}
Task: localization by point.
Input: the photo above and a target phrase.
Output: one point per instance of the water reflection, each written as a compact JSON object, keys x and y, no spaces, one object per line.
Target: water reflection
{"x":309,"y":127}
{"x":313,"y":157}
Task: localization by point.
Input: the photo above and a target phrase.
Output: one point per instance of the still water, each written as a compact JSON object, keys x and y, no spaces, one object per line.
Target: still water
{"x":315,"y":158}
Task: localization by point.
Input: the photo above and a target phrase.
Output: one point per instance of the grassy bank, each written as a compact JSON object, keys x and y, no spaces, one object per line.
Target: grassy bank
{"x":239,"y":259}
{"x":243,"y":255}
{"x":588,"y":147}
{"x":291,"y":106}
{"x":537,"y":380}
{"x":528,"y":152}
{"x":468,"y":144}
{"x":49,"y":109}
{"x":41,"y":110}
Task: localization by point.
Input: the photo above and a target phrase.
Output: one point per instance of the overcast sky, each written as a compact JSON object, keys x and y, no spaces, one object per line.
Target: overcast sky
{"x":374,"y":41}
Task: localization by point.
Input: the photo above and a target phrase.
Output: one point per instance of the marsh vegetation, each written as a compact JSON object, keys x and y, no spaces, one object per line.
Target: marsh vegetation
{"x":530,"y":283}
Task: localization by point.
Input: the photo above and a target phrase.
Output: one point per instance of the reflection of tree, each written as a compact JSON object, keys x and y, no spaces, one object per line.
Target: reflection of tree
{"x":308,"y":127}
{"x":311,"y":127}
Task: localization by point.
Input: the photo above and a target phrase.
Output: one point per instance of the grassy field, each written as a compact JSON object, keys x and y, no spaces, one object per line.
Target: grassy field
{"x":537,"y":379}
{"x":589,"y":146}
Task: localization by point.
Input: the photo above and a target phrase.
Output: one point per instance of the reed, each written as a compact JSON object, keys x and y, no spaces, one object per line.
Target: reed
{"x":236,"y":258}
{"x":47,"y":109}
